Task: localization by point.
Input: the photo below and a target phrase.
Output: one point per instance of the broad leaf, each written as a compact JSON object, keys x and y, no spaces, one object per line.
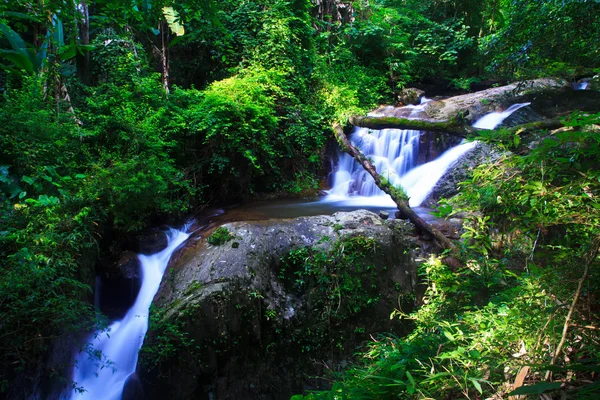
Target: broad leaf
{"x":173,"y":20}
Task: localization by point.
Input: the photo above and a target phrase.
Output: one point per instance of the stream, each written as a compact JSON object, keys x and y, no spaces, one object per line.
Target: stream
{"x":394,"y":153}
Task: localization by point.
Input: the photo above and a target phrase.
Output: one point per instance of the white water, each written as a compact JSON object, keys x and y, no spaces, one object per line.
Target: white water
{"x":394,"y":153}
{"x":492,"y":120}
{"x":124,"y":338}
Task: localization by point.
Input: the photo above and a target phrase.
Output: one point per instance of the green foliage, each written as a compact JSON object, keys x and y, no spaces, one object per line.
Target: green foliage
{"x":60,"y":182}
{"x":505,"y":307}
{"x":539,"y":36}
{"x":220,"y":236}
{"x":167,"y":339}
{"x":340,"y":285}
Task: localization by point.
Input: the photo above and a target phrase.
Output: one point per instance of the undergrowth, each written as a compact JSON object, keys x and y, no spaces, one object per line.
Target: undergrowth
{"x":520,"y":316}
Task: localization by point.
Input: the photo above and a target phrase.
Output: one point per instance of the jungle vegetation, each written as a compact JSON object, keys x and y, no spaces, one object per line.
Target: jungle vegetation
{"x":116,"y":114}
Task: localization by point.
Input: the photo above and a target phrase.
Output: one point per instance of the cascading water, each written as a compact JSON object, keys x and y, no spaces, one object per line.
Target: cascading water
{"x":581,"y":85}
{"x":493,"y":119}
{"x":394,"y":153}
{"x":121,"y":343}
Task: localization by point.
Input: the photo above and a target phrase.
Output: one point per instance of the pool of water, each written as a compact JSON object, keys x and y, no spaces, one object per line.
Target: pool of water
{"x":293,"y":208}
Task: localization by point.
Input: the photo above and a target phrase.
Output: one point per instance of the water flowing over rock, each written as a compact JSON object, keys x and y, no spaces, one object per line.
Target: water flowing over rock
{"x":255,"y":329}
{"x":105,"y":377}
{"x":478,"y":153}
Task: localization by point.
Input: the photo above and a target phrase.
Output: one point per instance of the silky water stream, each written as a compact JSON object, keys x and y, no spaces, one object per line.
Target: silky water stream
{"x":123,"y":339}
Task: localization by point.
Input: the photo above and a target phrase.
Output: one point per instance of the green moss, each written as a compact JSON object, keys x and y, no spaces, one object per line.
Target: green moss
{"x":452,"y":125}
{"x":193,"y":287}
{"x":220,"y":236}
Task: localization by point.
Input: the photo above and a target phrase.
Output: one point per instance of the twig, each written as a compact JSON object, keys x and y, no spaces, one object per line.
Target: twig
{"x":586,"y":270}
{"x":595,"y":328}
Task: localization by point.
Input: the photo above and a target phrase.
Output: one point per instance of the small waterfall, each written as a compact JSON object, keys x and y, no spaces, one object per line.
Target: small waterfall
{"x":121,"y":343}
{"x":394,"y":153}
{"x":580,"y":85}
{"x":493,"y":119}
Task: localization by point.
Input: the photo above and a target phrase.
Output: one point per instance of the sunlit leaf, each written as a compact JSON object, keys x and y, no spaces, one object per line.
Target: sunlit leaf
{"x":173,"y":20}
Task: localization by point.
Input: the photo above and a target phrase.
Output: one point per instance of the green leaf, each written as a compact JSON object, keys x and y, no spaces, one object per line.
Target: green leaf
{"x":173,"y":20}
{"x":449,"y":336}
{"x":538,"y":388}
{"x":18,"y":15}
{"x":476,"y":354}
{"x":19,"y":56}
{"x":59,"y":34}
{"x":476,"y":384}
{"x":67,"y":52}
{"x":411,"y":379}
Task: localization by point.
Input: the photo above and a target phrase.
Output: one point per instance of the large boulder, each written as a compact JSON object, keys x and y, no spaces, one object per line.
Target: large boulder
{"x":278,"y":302}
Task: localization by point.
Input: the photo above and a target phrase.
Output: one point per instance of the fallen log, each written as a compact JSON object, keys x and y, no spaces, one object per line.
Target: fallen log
{"x":453,"y":127}
{"x":397,"y":195}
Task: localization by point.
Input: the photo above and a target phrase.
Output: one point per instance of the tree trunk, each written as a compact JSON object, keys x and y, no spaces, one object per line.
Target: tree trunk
{"x":163,"y":57}
{"x":83,"y":60}
{"x":397,"y":195}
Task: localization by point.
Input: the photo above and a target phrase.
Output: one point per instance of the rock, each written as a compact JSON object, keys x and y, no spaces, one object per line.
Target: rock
{"x":384,"y":214}
{"x":462,"y":170}
{"x":473,"y":106}
{"x":256,"y":326}
{"x":128,"y":266}
{"x":149,"y":242}
{"x":523,"y":115}
{"x":132,"y":389}
{"x":119,"y":285}
{"x":410,"y":96}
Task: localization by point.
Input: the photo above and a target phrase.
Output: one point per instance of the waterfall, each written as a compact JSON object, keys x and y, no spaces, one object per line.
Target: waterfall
{"x":580,"y":85}
{"x":123,"y":339}
{"x":394,"y":154}
{"x":493,"y":119}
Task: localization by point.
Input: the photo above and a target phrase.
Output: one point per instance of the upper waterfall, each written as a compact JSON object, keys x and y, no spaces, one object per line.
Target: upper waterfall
{"x":394,"y":154}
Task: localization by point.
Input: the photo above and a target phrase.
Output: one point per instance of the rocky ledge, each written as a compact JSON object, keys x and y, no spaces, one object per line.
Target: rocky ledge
{"x":273,"y":304}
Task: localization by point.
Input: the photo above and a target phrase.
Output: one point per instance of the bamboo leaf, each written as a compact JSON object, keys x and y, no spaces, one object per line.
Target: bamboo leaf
{"x":538,"y":388}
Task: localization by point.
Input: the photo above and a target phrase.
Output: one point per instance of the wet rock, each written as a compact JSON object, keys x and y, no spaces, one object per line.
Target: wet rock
{"x":128,"y":266}
{"x":384,"y":214}
{"x":254,"y":327}
{"x":432,"y":145}
{"x":523,"y":115}
{"x":461,"y":171}
{"x":149,"y":242}
{"x":473,"y":106}
{"x":119,"y":285}
{"x":410,"y":96}
{"x":132,"y":389}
